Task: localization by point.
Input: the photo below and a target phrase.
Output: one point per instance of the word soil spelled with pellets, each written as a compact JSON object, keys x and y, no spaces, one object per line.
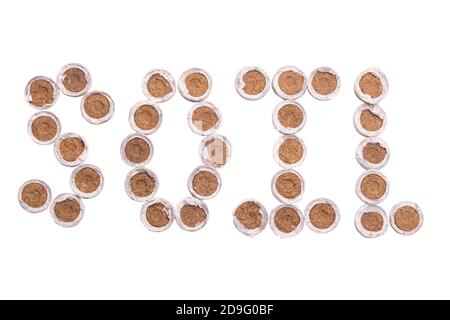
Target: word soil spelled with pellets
{"x":70,"y":149}
{"x":204,"y":118}
{"x":141,"y":184}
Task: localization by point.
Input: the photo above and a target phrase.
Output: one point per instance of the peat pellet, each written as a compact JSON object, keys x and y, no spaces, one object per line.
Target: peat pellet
{"x":136,"y":150}
{"x":86,"y":181}
{"x":204,"y":183}
{"x":44,"y":127}
{"x":289,"y":117}
{"x":41,"y":92}
{"x":324,"y":83}
{"x":371,"y":86}
{"x":215,"y":151}
{"x":74,"y":80}
{"x":372,"y":187}
{"x":371,"y":221}
{"x":71,"y":149}
{"x":145,"y":117}
{"x":286,"y":220}
{"x":406,"y":218}
{"x":191,"y":214}
{"x":322,"y":215}
{"x":250,"y":217}
{"x":289,"y":83}
{"x":141,"y":184}
{"x":97,"y":107}
{"x":370,"y":120}
{"x":252,"y":83}
{"x":204,"y":118}
{"x":289,"y":151}
{"x":158,"y":85}
{"x":67,"y":210}
{"x":34,"y":196}
{"x":195,"y":84}
{"x":288,"y":186}
{"x":157,"y":215}
{"x":372,"y":153}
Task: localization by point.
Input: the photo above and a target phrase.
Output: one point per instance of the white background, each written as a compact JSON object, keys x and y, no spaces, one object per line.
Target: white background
{"x":111,"y":255}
